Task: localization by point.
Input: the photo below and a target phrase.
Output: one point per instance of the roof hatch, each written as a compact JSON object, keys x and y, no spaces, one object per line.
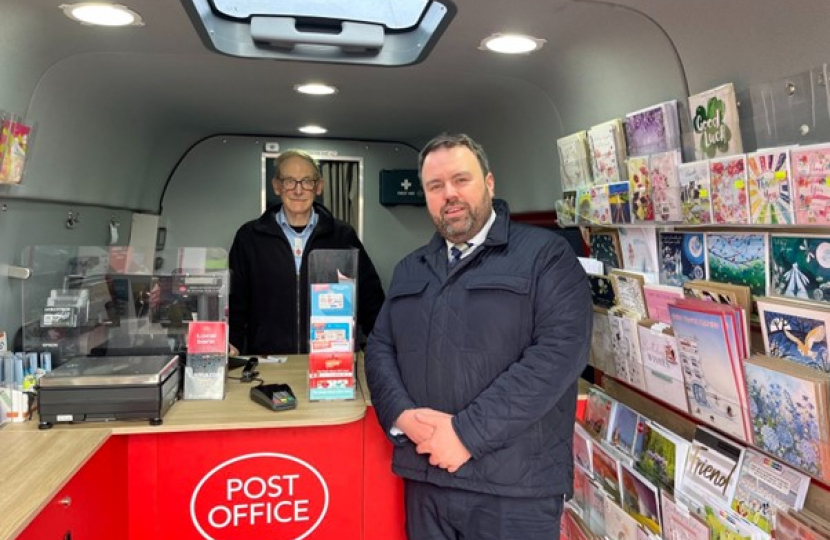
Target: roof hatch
{"x":373,"y":32}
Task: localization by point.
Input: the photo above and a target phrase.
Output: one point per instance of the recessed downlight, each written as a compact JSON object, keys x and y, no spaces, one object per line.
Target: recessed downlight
{"x":313,"y":130}
{"x":511,"y":43}
{"x":315,"y":89}
{"x":102,"y":14}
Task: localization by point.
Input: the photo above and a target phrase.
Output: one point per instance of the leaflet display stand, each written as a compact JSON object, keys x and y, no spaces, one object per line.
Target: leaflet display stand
{"x":331,"y":362}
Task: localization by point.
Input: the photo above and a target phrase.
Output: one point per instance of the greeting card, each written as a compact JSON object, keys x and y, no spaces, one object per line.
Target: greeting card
{"x":727,"y":177}
{"x":770,"y":187}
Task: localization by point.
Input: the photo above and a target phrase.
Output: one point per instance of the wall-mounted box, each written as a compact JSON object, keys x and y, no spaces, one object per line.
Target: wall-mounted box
{"x":401,"y":186}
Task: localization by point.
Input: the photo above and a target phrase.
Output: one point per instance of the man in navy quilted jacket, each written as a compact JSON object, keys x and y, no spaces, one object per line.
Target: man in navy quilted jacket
{"x":474,"y":361}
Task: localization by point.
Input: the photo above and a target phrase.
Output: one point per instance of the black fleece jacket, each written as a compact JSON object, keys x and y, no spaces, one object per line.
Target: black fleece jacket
{"x":269,"y":311}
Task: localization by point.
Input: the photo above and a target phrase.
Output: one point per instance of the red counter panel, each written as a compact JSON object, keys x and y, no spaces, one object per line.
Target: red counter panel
{"x":280,"y":484}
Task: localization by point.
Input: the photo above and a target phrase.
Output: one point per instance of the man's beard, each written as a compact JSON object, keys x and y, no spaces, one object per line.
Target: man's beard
{"x":462,"y":230}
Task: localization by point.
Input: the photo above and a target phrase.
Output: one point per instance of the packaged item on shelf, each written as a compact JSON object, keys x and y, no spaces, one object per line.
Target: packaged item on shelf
{"x":573,"y":161}
{"x":606,"y":143}
{"x":665,"y":186}
{"x":653,"y":129}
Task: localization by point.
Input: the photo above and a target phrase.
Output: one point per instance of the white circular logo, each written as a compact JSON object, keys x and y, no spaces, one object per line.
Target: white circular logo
{"x":267,"y":495}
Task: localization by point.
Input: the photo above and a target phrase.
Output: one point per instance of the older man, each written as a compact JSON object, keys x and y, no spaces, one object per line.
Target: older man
{"x":269,"y":296}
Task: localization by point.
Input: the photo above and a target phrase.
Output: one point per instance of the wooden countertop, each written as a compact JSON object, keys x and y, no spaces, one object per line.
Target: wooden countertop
{"x":35,"y":464}
{"x":237,"y":411}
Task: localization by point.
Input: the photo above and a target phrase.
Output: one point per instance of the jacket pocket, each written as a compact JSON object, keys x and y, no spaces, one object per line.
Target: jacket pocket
{"x":497,"y":313}
{"x":406,"y":312}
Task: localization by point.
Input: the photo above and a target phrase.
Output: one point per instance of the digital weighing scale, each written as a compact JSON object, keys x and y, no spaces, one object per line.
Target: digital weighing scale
{"x":100,"y":389}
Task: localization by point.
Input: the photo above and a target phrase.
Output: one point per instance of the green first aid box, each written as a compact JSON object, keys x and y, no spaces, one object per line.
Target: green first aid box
{"x":401,"y":186}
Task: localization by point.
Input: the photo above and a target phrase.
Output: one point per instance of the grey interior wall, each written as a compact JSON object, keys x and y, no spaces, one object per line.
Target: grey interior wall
{"x":218,"y":187}
{"x":25,"y":223}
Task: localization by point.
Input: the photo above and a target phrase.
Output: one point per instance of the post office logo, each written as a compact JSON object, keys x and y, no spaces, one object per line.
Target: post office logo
{"x":262,"y":495}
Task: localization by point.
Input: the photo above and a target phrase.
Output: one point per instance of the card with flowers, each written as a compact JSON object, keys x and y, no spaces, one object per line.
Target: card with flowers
{"x":664,"y":456}
{"x":602,"y":291}
{"x":695,"y":192}
{"x":788,"y":407}
{"x":607,"y":144}
{"x":811,"y":171}
{"x":665,"y":186}
{"x":729,"y":195}
{"x":605,"y":246}
{"x":600,"y":205}
{"x":642,"y":206}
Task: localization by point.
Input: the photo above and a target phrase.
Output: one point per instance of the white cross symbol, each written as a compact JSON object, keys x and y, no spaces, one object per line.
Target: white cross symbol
{"x":406,"y":184}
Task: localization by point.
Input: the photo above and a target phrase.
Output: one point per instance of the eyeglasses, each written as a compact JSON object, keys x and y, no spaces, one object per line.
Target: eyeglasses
{"x":290,"y":183}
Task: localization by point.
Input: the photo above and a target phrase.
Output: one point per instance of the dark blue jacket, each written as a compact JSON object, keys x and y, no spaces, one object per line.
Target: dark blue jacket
{"x":499,"y":341}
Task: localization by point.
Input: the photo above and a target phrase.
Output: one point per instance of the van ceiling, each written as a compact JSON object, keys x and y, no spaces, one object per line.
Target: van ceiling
{"x":162,"y":89}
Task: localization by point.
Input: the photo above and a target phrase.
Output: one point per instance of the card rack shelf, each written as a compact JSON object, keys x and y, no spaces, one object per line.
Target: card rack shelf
{"x":818,"y":496}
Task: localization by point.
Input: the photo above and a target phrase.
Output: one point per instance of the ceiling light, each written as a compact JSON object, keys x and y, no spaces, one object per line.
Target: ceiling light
{"x":313,"y":130}
{"x":511,"y":43}
{"x":102,"y":14}
{"x":315,"y":89}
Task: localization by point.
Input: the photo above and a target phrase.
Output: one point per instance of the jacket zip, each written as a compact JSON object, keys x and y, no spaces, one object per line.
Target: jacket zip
{"x":299,"y":287}
{"x":298,"y":314}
